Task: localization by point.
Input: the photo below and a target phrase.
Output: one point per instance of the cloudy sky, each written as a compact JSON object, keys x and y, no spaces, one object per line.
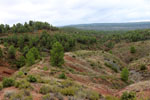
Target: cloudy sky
{"x":65,"y":12}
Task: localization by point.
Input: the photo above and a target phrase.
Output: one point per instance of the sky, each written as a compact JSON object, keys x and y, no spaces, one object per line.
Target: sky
{"x":66,"y":12}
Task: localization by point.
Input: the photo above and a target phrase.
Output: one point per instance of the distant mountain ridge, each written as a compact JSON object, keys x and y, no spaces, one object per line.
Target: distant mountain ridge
{"x":112,"y":26}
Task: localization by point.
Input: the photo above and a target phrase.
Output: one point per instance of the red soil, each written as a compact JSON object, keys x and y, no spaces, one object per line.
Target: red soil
{"x":5,"y":72}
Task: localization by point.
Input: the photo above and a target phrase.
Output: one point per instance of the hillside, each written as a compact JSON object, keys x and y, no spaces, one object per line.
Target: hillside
{"x":112,"y":26}
{"x":49,"y":63}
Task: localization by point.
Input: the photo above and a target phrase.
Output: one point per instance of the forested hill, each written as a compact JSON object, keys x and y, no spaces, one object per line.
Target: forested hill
{"x":112,"y":26}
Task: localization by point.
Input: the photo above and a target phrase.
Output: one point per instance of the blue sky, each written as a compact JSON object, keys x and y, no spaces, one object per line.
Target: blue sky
{"x":65,"y":12}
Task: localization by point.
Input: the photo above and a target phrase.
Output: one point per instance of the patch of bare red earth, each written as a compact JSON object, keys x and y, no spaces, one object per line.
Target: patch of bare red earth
{"x":5,"y":71}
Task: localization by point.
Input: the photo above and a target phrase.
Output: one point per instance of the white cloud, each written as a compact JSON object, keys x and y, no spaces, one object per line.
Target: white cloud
{"x":63,"y":12}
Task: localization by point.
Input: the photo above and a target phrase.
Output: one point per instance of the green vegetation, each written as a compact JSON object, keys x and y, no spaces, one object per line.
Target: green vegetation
{"x":128,"y":96}
{"x":12,"y":52}
{"x":132,"y":50}
{"x":30,"y":60}
{"x":1,"y":53}
{"x":45,"y":89}
{"x":62,"y":76}
{"x":7,"y":82}
{"x":31,"y":78}
{"x":125,"y":74}
{"x":96,"y":61}
{"x":143,"y":67}
{"x":31,"y":26}
{"x":57,"y":55}
{"x":47,"y":97}
{"x":20,"y":62}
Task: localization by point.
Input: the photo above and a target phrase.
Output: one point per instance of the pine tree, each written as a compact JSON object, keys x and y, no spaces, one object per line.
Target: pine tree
{"x":20,"y":62}
{"x":125,"y":74}
{"x":30,"y":60}
{"x":1,"y":53}
{"x":12,"y":52}
{"x":35,"y":53}
{"x":57,"y":55}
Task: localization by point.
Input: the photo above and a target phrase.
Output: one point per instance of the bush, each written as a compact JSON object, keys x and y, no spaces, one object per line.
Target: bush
{"x":7,"y":82}
{"x":20,"y":96}
{"x":45,"y":89}
{"x":57,"y":55}
{"x":31,"y":78}
{"x":69,"y":91}
{"x":125,"y":74}
{"x":12,"y":52}
{"x":143,"y":67}
{"x":62,"y":76}
{"x":46,"y":97}
{"x":45,"y":68}
{"x":23,"y":84}
{"x":92,"y":95}
{"x":132,"y":50}
{"x":128,"y":96}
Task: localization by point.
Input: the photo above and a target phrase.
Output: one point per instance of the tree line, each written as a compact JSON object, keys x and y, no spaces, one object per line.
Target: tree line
{"x":30,"y":26}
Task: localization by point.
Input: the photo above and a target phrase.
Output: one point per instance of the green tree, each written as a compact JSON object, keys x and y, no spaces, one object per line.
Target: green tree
{"x":1,"y":53}
{"x":132,"y":49}
{"x":35,"y":52}
{"x":125,"y":74}
{"x":20,"y":62}
{"x":12,"y":52}
{"x":57,"y":55}
{"x":25,"y":50}
{"x":30,"y":60}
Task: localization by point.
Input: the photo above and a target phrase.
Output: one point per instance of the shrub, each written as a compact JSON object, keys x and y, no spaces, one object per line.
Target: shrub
{"x":7,"y":82}
{"x":46,"y":97}
{"x":45,"y":68}
{"x":45,"y":89}
{"x":20,"y":74}
{"x":125,"y":74}
{"x":12,"y":52}
{"x":128,"y":96}
{"x":143,"y":67}
{"x":92,"y":95}
{"x":62,"y":76}
{"x":20,"y":96}
{"x":68,"y":91}
{"x":132,"y":49}
{"x":31,"y":78}
{"x":57,"y":55}
{"x":23,"y":84}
